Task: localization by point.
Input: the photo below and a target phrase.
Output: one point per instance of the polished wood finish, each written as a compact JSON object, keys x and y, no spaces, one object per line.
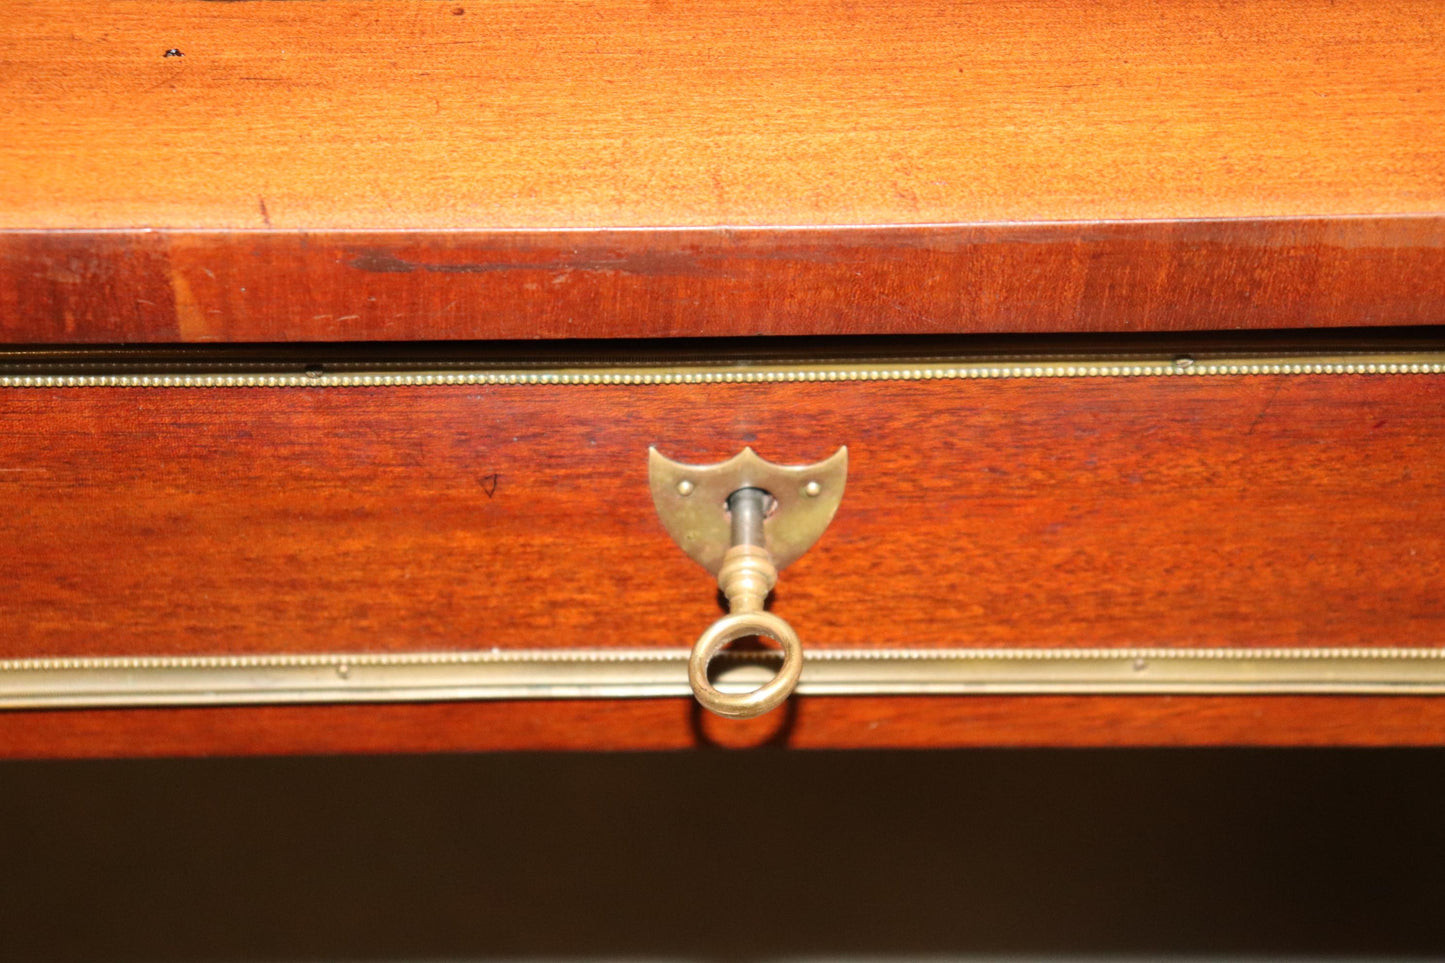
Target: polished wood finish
{"x":1186,"y":511}
{"x":924,"y":722}
{"x":377,"y":170}
{"x":1141,"y":276}
{"x":374,"y":170}
{"x":397,"y":114}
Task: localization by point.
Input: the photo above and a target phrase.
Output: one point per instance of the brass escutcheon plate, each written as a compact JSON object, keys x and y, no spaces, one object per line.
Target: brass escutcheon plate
{"x":692,"y":500}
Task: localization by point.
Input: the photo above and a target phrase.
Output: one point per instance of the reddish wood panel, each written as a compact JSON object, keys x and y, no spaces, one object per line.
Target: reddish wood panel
{"x":62,"y":288}
{"x":1244,"y":511}
{"x":923,"y":722}
{"x":1141,"y":276}
{"x":396,"y":114}
{"x":430,"y":174}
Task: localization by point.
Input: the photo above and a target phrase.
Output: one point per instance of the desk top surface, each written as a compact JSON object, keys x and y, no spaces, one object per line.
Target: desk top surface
{"x":467,"y":115}
{"x":482,"y":169}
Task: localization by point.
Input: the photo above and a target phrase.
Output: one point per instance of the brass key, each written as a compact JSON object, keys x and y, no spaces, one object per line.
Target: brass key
{"x":744,"y":519}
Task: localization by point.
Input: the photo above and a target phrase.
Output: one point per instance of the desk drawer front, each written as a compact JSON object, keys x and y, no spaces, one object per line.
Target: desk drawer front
{"x":1088,"y":506}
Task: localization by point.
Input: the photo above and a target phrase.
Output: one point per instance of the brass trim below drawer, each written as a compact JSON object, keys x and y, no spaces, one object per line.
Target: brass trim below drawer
{"x":654,"y":673}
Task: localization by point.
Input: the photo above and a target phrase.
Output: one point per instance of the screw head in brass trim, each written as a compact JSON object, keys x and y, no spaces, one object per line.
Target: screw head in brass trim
{"x":768,"y":696}
{"x":812,"y":489}
{"x":685,"y":487}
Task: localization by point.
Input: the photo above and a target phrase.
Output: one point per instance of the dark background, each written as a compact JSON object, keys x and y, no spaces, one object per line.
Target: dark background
{"x":715,"y":855}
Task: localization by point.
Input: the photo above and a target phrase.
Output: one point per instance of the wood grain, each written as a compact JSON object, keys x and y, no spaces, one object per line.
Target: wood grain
{"x":1249,"y":511}
{"x":385,"y":170}
{"x":925,"y":722}
{"x":71,"y":287}
{"x":501,"y":114}
{"x":1200,"y":511}
{"x":322,"y":170}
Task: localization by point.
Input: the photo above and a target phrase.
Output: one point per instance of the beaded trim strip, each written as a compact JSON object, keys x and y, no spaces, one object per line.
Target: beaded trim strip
{"x":319,"y":377}
{"x":674,"y":655}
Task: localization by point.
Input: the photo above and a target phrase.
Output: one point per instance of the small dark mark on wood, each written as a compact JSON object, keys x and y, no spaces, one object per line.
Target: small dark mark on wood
{"x":458,"y":11}
{"x":489,"y":483}
{"x":265,"y":215}
{"x":382,"y":263}
{"x":173,"y":52}
{"x":1278,"y":384}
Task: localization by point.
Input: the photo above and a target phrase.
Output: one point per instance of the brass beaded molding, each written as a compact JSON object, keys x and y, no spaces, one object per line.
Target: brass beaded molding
{"x":1364,"y":364}
{"x":676,"y":655}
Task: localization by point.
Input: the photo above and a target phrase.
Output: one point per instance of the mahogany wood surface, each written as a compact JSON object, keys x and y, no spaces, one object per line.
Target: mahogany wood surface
{"x":137,"y":286}
{"x":444,"y":114}
{"x":921,"y":722}
{"x":379,"y":169}
{"x":354,"y":170}
{"x":1291,"y":510}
